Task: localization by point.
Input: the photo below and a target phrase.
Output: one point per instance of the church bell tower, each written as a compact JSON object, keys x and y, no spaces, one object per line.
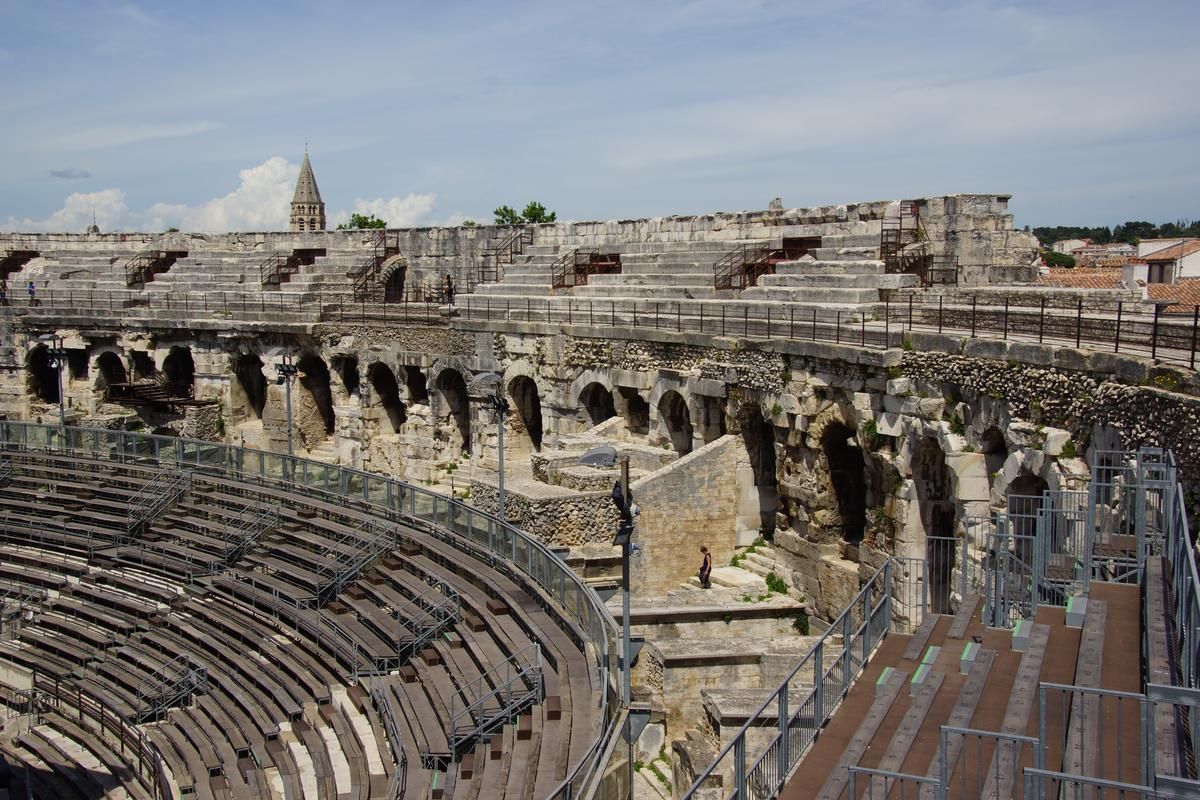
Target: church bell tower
{"x":308,"y":211}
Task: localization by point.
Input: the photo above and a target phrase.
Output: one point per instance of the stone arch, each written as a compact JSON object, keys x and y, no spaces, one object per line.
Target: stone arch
{"x":392,"y":276}
{"x":935,"y":501}
{"x":454,"y":403}
{"x":596,"y":400}
{"x":387,"y":393}
{"x":758,"y":437}
{"x":317,"y":396}
{"x":179,"y":368}
{"x":143,"y":365}
{"x":248,"y":373}
{"x":110,"y":369}
{"x":42,"y":379}
{"x":346,"y":367}
{"x":528,"y":407}
{"x":633,"y":408}
{"x":415,"y":386}
{"x":847,"y":478}
{"x":675,"y":417}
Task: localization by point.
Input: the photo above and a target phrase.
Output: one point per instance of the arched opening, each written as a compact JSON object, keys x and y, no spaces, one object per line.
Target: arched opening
{"x":847,"y":476}
{"x":995,"y":450}
{"x":634,"y":409}
{"x":758,"y":436}
{"x":347,"y":372}
{"x":673,"y":411}
{"x":314,"y":381}
{"x":143,"y":365}
{"x":414,"y":382}
{"x":1023,"y":502}
{"x":248,"y":368}
{"x":43,"y":378}
{"x":934,"y":499}
{"x":712,"y":421}
{"x":524,"y":393}
{"x":112,"y":370}
{"x":393,"y":287}
{"x":77,"y":363}
{"x":453,"y":390}
{"x":597,"y":401}
{"x":179,"y":369}
{"x":383,"y":381}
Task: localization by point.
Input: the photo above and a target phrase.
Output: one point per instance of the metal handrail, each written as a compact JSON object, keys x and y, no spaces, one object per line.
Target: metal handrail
{"x":478,"y":532}
{"x":154,"y":498}
{"x":742,"y":266}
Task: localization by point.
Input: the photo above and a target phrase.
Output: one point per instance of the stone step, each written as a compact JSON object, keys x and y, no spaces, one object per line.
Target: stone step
{"x":814,"y":295}
{"x":868,"y":266}
{"x":897,"y":281}
{"x":647,"y":291}
{"x":652,"y":279}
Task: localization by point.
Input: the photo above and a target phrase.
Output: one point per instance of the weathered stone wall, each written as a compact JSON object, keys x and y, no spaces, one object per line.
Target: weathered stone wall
{"x":558,"y":521}
{"x":687,"y":504}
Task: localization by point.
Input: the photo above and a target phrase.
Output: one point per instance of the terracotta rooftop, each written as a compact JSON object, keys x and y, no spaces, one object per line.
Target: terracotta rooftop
{"x":1184,"y":248}
{"x":1083,"y":278}
{"x":1184,"y":292}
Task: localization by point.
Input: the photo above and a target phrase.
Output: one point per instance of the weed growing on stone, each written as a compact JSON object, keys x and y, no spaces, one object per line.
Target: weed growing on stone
{"x":776,"y":584}
{"x":906,"y":344}
{"x":800,"y":623}
{"x":957,"y":427}
{"x":1068,"y":449}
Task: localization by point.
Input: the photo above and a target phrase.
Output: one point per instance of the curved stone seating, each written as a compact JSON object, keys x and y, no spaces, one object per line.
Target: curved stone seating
{"x":282,"y":714}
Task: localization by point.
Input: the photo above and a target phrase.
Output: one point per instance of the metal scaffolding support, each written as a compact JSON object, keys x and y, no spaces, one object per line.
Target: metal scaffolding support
{"x":173,"y":684}
{"x":152,"y":500}
{"x":495,"y":698}
{"x":350,"y":555}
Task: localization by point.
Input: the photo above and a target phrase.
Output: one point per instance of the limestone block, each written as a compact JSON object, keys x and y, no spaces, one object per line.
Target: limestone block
{"x":971,"y":472}
{"x":790,"y":404}
{"x":652,"y":740}
{"x":1056,"y":439}
{"x":931,"y":407}
{"x":889,"y":424}
{"x":862,"y":402}
{"x":901,"y":405}
{"x":899,"y":386}
{"x":838,"y":581}
{"x":1024,"y":434}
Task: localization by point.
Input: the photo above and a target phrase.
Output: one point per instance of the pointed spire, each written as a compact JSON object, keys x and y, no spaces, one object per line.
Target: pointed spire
{"x":306,"y":184}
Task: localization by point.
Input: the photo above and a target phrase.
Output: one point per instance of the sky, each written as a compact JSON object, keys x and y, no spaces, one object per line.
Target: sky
{"x":196,"y":115}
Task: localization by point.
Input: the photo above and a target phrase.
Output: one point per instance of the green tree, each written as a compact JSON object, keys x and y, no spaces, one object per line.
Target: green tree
{"x":534,"y":212}
{"x":469,"y":223}
{"x":1054,"y":259}
{"x":362,"y":221}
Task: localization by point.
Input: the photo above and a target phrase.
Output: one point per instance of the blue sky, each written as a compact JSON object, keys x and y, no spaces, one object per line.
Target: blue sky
{"x":197,"y":115}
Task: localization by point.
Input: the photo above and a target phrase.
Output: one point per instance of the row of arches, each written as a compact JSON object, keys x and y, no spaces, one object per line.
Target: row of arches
{"x":178,"y":370}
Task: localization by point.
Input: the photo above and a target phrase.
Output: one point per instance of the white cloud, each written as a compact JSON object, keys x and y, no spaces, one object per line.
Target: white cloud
{"x":76,"y":213}
{"x":260,"y":203}
{"x":398,"y":212}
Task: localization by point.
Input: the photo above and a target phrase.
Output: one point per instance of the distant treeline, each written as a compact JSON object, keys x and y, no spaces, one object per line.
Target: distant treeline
{"x":1131,"y":232}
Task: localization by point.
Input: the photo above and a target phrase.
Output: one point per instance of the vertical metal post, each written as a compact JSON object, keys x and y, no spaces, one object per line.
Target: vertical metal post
{"x":939,"y":314}
{"x":783,"y":717}
{"x":500,"y":485}
{"x":974,"y":307}
{"x":1078,"y":321}
{"x":1117,"y":341}
{"x":910,"y":314}
{"x":837,"y":330}
{"x":1195,"y":325}
{"x":1005,"y":335}
{"x":1154,"y":331}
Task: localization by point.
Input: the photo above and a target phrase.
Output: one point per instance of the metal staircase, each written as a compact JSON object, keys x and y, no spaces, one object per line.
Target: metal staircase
{"x":496,"y":256}
{"x":742,"y":266}
{"x":904,"y":248}
{"x":365,"y":277}
{"x":350,"y":555}
{"x":172,"y":685}
{"x":145,"y":265}
{"x":152,"y":501}
{"x":574,"y":267}
{"x":495,"y":698}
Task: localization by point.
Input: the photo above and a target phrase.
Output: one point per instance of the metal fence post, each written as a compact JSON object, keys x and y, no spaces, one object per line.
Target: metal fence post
{"x":974,"y":305}
{"x":784,"y":716}
{"x":1042,"y":321}
{"x":1154,"y":338}
{"x":1078,"y":322}
{"x":1117,"y":340}
{"x":939,"y":314}
{"x":739,"y":766}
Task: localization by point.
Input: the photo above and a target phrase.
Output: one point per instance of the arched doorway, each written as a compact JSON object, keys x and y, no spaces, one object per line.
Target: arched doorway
{"x":758,"y":436}
{"x":934,"y":499}
{"x":597,"y":401}
{"x":143,"y":365}
{"x":393,"y":287}
{"x":43,"y":378}
{"x":416,"y":386}
{"x":673,"y":411}
{"x":528,"y":405}
{"x":248,"y":369}
{"x":457,"y":407}
{"x":847,"y":478}
{"x":634,"y":409}
{"x":347,"y":372}
{"x":316,"y":396}
{"x":383,"y":382}
{"x":112,"y":370}
{"x":180,"y":369}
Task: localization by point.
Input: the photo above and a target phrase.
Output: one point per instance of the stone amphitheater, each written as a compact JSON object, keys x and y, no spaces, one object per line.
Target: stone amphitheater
{"x":329,"y":513}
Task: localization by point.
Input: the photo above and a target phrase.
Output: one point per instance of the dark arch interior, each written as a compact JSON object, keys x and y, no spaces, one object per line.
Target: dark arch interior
{"x":418,"y":389}
{"x":249,"y":371}
{"x":383,"y":381}
{"x":347,"y":370}
{"x":597,"y":400}
{"x":143,"y":365}
{"x":524,"y":393}
{"x":995,"y":451}
{"x":393,"y":288}
{"x":932,"y":478}
{"x":77,"y":362}
{"x":674,"y":412}
{"x":180,"y":370}
{"x":43,"y":378}
{"x":712,"y":425}
{"x":454,"y":391}
{"x":111,"y":369}
{"x":847,"y":475}
{"x":758,"y":436}
{"x":314,"y":377}
{"x":634,"y":409}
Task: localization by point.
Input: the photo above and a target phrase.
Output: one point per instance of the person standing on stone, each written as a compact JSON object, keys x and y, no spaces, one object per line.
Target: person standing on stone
{"x":3,"y":291}
{"x":705,"y":569}
{"x":449,"y":290}
{"x":32,"y":294}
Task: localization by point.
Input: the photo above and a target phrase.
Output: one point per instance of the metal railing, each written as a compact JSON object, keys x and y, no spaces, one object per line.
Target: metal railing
{"x":575,"y":266}
{"x":172,"y":684}
{"x":152,"y":500}
{"x":276,"y":268}
{"x":824,"y":684}
{"x":495,"y":698}
{"x":523,"y":557}
{"x":512,"y":245}
{"x":383,"y":707}
{"x":245,"y":532}
{"x":742,"y":266}
{"x":424,"y":617}
{"x":350,"y":555}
